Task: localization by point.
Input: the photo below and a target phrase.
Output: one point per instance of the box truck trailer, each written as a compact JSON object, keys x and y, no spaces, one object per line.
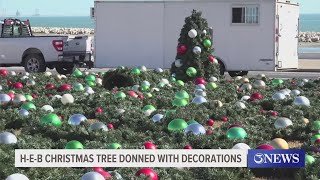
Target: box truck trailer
{"x":248,"y":35}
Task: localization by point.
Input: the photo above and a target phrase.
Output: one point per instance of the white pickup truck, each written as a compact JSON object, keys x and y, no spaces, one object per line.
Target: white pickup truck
{"x":18,"y":47}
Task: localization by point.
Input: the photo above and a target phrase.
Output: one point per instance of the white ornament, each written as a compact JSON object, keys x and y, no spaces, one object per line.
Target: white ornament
{"x":204,"y":32}
{"x":99,"y":81}
{"x":92,"y":176}
{"x":47,"y":108}
{"x":197,"y":50}
{"x":192,"y":33}
{"x":213,"y":79}
{"x":67,"y":99}
{"x":8,"y":138}
{"x":178,"y":63}
{"x":241,"y":146}
{"x":143,"y":68}
{"x":12,"y":73}
{"x":240,"y":105}
{"x":17,"y":176}
{"x":164,"y":81}
{"x":55,"y":97}
{"x":47,"y":74}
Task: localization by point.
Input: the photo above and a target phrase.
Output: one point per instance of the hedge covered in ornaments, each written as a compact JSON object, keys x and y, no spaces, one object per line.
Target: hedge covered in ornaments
{"x":252,"y":111}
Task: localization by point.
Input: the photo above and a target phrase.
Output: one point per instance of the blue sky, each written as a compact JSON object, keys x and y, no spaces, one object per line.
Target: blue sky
{"x":82,"y":7}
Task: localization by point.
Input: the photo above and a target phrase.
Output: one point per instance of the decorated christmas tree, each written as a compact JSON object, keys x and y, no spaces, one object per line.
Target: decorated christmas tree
{"x":195,"y":51}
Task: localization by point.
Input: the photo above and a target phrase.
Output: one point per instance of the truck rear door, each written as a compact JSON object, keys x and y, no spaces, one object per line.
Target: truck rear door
{"x":287,"y":33}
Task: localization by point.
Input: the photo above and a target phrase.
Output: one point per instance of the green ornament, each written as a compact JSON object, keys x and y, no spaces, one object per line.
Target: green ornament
{"x":90,"y":77}
{"x":91,"y":83}
{"x":277,"y":81}
{"x":12,"y":91}
{"x":309,"y":159}
{"x":28,"y":106}
{"x":136,"y":71}
{"x":180,"y":102}
{"x":207,"y":43}
{"x":314,"y":138}
{"x":161,"y":84}
{"x":148,"y":107}
{"x":191,"y":72}
{"x":192,"y":122}
{"x":180,"y":83}
{"x":77,"y":73}
{"x":74,"y":145}
{"x":182,"y":95}
{"x":28,"y":97}
{"x":145,"y":88}
{"x":173,"y":79}
{"x":149,"y":95}
{"x":114,"y":146}
{"x":177,"y":125}
{"x":120,"y":95}
{"x":212,"y":85}
{"x":51,"y":119}
{"x":236,"y":133}
{"x":316,"y":124}
{"x":78,"y":87}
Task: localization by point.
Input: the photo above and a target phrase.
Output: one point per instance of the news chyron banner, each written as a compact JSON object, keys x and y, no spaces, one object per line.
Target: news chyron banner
{"x":293,"y":158}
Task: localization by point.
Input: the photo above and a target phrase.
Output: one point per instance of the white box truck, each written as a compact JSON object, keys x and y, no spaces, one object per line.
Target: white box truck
{"x":248,"y":35}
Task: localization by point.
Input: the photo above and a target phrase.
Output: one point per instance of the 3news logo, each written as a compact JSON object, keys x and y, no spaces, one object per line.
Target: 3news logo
{"x":292,"y":158}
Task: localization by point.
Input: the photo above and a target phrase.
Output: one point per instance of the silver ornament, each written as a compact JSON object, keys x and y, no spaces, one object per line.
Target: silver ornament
{"x":259,"y":84}
{"x":241,"y":146}
{"x":135,"y":88}
{"x":98,"y":126}
{"x":7,"y":138}
{"x":158,"y":70}
{"x":120,"y":111}
{"x":278,"y":96}
{"x":245,"y":98}
{"x":47,"y":108}
{"x":192,"y":33}
{"x":178,"y":63}
{"x":4,"y":99}
{"x":76,"y":119}
{"x":18,"y":99}
{"x":23,"y":112}
{"x":17,"y":176}
{"x":200,"y":93}
{"x":213,"y":79}
{"x":245,"y":86}
{"x":195,"y":128}
{"x":92,"y":176}
{"x":282,"y":123}
{"x":200,"y":86}
{"x":196,"y":50}
{"x":199,"y":100}
{"x":30,"y":82}
{"x":143,"y":68}
{"x":157,"y":118}
{"x":240,"y":105}
{"x":295,"y":92}
{"x":301,"y":101}
{"x":145,"y":83}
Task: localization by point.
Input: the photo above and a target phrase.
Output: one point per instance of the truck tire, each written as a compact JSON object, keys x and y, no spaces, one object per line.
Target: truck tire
{"x":222,"y":67}
{"x":237,"y":73}
{"x":65,"y":68}
{"x":34,"y":63}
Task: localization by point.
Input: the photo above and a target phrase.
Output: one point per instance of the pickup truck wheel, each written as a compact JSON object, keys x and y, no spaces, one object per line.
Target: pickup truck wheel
{"x":65,"y":68}
{"x":237,"y":73}
{"x":34,"y":63}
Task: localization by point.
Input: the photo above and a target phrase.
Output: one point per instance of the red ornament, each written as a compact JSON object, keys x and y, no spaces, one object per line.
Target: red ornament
{"x":115,"y":91}
{"x":64,"y":87}
{"x":263,"y":111}
{"x":11,"y":95}
{"x":149,"y":145}
{"x":210,"y":122}
{"x":209,"y":131}
{"x":187,"y":147}
{"x":211,"y":58}
{"x":317,"y":141}
{"x":200,"y":81}
{"x":182,"y":49}
{"x":110,"y":126}
{"x":265,"y":147}
{"x":293,"y":83}
{"x":98,"y":169}
{"x":3,"y":72}
{"x":17,"y":85}
{"x":234,"y":125}
{"x":140,"y":96}
{"x":224,"y":119}
{"x":106,"y":175}
{"x":34,"y":96}
{"x":255,"y":96}
{"x":49,"y":86}
{"x":274,"y":113}
{"x":132,"y":94}
{"x":148,"y":172}
{"x":60,"y":117}
{"x":9,"y":82}
{"x":99,"y":110}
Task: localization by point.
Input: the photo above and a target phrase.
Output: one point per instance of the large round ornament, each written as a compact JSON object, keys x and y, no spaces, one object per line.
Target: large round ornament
{"x":207,"y":43}
{"x":7,"y":138}
{"x":182,"y":49}
{"x":179,"y":102}
{"x":195,"y":128}
{"x":295,"y":92}
{"x":157,"y":117}
{"x":301,"y":101}
{"x":64,"y":87}
{"x":236,"y":133}
{"x":196,"y":50}
{"x":201,"y":86}
{"x":182,"y":95}
{"x":77,"y":119}
{"x":240,"y":105}
{"x":18,"y":99}
{"x":28,"y":106}
{"x":30,"y":82}
{"x":177,"y":125}
{"x":245,"y":87}
{"x":200,"y":81}
{"x":199,"y":100}
{"x":259,"y":84}
{"x":178,"y":63}
{"x":76,"y":73}
{"x":277,"y":81}
{"x":90,"y":77}
{"x":92,"y":176}
{"x":278,"y":96}
{"x":3,"y":72}
{"x":51,"y":119}
{"x":256,"y":96}
{"x":98,"y":126}
{"x":192,"y":33}
{"x":120,"y":95}
{"x":241,"y":146}
{"x":191,"y":72}
{"x":74,"y":145}
{"x":17,"y":176}
{"x":282,"y":123}
{"x":265,"y":147}
{"x":47,"y":108}
{"x":78,"y":87}
{"x":114,"y":146}
{"x":67,"y":99}
{"x":147,"y":172}
{"x":23,"y":112}
{"x":279,"y":143}
{"x":4,"y":99}
{"x":213,"y":79}
{"x":17,"y":85}
{"x":149,"y":145}
{"x":309,"y":159}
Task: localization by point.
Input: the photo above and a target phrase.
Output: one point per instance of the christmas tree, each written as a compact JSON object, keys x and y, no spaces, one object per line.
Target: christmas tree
{"x":195,"y":51}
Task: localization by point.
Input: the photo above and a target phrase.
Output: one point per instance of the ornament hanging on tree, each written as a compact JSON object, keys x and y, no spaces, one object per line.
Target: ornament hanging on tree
{"x":197,"y":50}
{"x":182,"y":49}
{"x":178,"y":63}
{"x":207,"y":43}
{"x":192,"y":33}
{"x":204,"y":32}
{"x":191,"y":72}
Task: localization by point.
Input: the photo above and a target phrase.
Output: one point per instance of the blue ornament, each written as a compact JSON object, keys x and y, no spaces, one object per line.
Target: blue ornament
{"x":195,"y":129}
